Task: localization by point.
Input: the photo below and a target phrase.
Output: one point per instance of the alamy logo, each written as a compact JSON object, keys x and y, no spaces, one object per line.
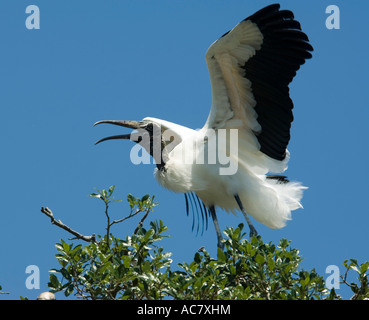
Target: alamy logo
{"x":33,"y":280}
{"x":33,"y":20}
{"x":333,"y":20}
{"x":216,"y":147}
{"x":333,"y":280}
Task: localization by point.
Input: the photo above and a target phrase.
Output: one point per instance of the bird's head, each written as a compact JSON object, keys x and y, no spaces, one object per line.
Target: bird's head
{"x":147,"y":133}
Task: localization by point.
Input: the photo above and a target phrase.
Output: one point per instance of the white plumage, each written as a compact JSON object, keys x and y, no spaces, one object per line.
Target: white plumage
{"x":226,"y":163}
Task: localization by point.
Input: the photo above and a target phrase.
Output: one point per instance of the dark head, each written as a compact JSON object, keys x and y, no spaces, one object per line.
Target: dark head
{"x":147,"y":133}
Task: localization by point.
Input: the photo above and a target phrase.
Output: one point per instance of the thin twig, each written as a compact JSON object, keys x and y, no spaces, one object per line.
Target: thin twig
{"x":108,"y":223}
{"x":352,"y":286}
{"x":60,"y":224}
{"x":141,"y":221}
{"x":125,"y":218}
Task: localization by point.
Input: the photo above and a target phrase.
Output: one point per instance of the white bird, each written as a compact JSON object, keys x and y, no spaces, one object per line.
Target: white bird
{"x":227,"y":163}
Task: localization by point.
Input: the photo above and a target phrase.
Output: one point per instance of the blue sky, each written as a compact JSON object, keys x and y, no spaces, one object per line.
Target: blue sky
{"x":94,"y":60}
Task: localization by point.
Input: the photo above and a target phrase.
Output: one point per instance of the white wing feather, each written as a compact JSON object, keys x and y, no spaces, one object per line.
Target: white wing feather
{"x":231,"y":91}
{"x":232,"y":99}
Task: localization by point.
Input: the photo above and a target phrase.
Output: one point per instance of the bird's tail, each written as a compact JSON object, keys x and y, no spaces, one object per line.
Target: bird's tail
{"x":289,"y":195}
{"x":280,"y":197}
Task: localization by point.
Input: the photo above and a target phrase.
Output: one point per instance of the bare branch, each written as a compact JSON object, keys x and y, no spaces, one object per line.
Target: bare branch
{"x":142,"y":220}
{"x":60,"y":224}
{"x":131,"y":215}
{"x":108,"y":222}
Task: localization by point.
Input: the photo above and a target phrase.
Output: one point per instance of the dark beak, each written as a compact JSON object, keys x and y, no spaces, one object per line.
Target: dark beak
{"x":123,"y":123}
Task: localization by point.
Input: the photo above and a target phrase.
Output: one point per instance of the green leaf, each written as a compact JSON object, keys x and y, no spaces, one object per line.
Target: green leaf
{"x":355,"y":268}
{"x":271,"y":263}
{"x":250,"y":249}
{"x":127,"y":262}
{"x":69,"y":290}
{"x":149,"y":233}
{"x":197,"y":258}
{"x":59,"y":247}
{"x":95,"y":195}
{"x":354,"y":262}
{"x":305,"y":282}
{"x":104,"y":193}
{"x":131,"y":200}
{"x":111,"y":190}
{"x":287,"y":268}
{"x":66,"y":247}
{"x":146,"y":267}
{"x":145,"y":197}
{"x":221,"y":255}
{"x":236,"y":234}
{"x":364,"y":267}
{"x":62,"y":260}
{"x":259,"y":259}
{"x":51,"y":271}
{"x":232,"y":269}
{"x":54,"y":282}
{"x":345,"y":264}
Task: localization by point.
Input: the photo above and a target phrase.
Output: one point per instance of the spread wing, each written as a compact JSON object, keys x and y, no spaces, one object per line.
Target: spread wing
{"x":250,"y":69}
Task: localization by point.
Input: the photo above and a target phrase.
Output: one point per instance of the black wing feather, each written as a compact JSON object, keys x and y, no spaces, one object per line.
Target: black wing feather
{"x":285,"y":48}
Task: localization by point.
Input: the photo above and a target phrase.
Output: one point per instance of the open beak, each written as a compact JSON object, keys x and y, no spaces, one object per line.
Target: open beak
{"x":123,"y":123}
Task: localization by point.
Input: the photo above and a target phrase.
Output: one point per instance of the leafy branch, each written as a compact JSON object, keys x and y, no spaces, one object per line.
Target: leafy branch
{"x":137,"y":268}
{"x":137,"y":205}
{"x":360,"y":291}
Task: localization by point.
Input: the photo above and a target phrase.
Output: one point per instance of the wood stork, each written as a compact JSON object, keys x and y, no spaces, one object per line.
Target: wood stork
{"x":250,"y":69}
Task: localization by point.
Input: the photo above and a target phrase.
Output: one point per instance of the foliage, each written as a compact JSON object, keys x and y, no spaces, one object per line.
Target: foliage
{"x":361,"y":291}
{"x":128,"y":269}
{"x":137,"y":268}
{"x":248,"y":270}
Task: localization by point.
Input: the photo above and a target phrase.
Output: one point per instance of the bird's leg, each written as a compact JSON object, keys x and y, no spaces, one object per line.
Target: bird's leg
{"x":253,"y":231}
{"x":217,"y":229}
